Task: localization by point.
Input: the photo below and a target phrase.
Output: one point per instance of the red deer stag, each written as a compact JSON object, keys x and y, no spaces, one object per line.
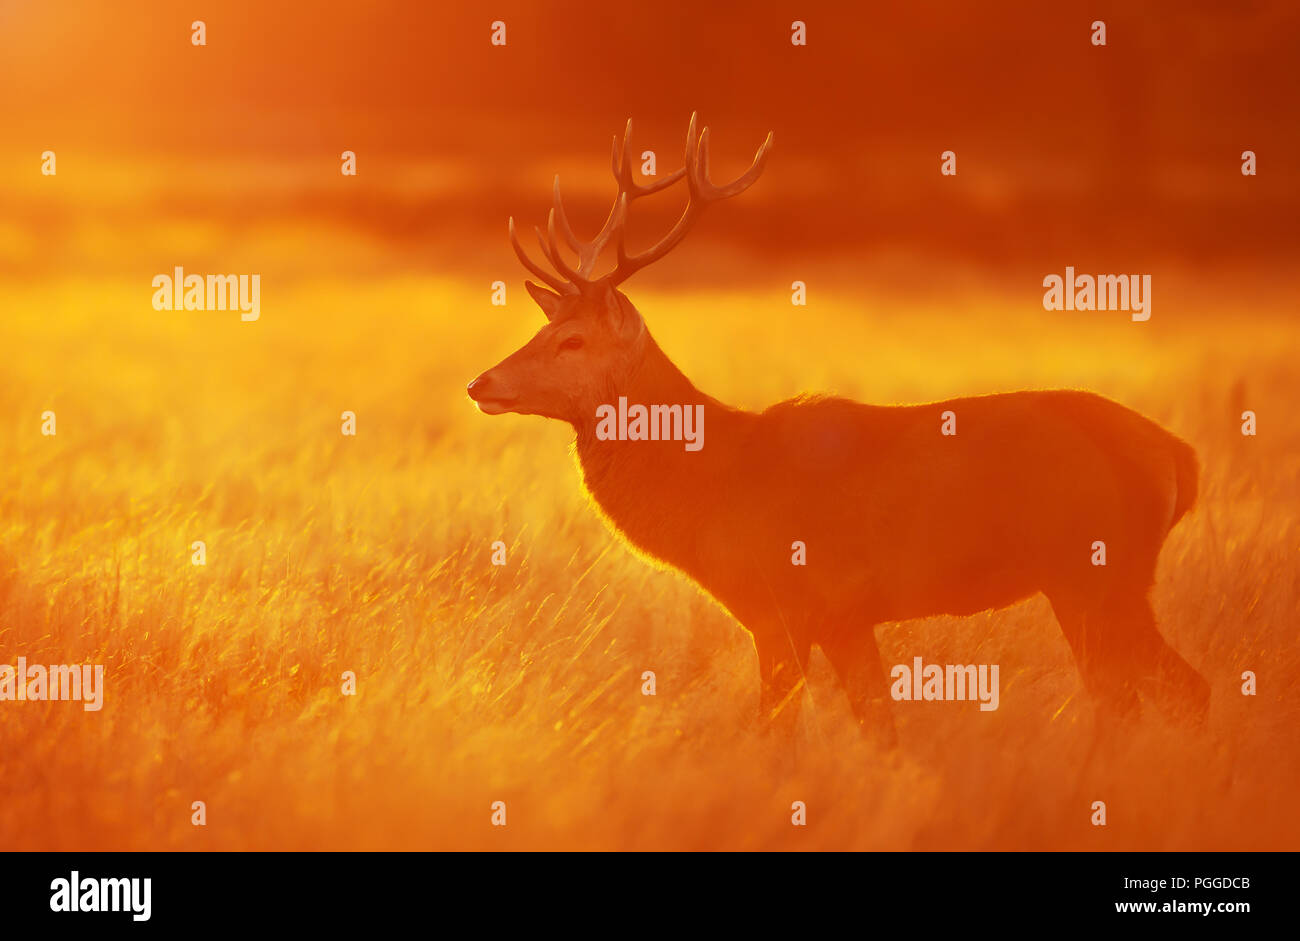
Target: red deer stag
{"x":899,"y":521}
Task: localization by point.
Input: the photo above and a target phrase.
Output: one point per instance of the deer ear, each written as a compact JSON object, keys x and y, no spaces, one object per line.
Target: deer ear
{"x":623,"y":318}
{"x":548,"y":301}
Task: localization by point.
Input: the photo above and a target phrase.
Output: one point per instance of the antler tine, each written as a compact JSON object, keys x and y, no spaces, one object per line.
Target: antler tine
{"x":713,"y":193}
{"x":588,"y":252}
{"x":558,"y":205}
{"x":559,"y":266}
{"x":553,"y":251}
{"x":623,"y":170}
{"x":613,"y":223}
{"x":537,"y":271}
{"x":620,"y":244}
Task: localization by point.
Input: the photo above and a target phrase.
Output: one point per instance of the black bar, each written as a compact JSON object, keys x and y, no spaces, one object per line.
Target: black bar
{"x":643,"y":891}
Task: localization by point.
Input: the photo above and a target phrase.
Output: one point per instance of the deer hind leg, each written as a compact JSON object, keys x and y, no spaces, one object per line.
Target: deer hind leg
{"x":1121,"y":654}
{"x":1176,"y":688}
{"x":855,"y":655}
{"x":1103,"y":655}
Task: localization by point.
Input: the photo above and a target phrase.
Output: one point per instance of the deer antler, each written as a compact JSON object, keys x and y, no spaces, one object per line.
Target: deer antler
{"x":538,"y":273}
{"x":701,"y":192}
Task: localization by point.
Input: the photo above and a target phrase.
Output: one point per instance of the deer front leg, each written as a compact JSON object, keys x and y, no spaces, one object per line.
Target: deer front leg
{"x":853,"y":652}
{"x":781,"y":663}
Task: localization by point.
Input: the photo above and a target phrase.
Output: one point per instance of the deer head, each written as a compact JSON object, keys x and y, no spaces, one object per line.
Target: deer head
{"x":594,"y":337}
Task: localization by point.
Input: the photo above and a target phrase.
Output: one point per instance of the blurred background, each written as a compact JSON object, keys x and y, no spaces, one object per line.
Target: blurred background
{"x":1123,"y":157}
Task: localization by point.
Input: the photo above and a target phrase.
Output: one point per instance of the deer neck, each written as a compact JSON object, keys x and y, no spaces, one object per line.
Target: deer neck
{"x":652,"y":490}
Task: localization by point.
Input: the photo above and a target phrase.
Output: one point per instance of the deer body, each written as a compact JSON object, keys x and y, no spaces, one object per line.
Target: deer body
{"x":899,"y":520}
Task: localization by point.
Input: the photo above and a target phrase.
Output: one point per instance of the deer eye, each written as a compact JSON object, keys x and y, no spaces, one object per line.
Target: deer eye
{"x":571,"y":343}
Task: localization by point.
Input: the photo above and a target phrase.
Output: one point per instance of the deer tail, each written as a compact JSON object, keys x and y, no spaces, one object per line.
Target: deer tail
{"x":1186,"y":473}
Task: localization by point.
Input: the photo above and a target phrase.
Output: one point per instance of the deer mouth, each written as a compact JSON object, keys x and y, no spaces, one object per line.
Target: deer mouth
{"x":489,"y":406}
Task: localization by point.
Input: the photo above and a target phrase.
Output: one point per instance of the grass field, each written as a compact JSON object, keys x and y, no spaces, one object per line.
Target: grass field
{"x":521,"y":683}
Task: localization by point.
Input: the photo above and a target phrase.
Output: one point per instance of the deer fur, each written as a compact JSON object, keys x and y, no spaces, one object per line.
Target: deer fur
{"x":899,"y":521}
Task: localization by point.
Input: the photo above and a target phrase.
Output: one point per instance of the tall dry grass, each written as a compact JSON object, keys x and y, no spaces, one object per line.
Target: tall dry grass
{"x":522,"y":683}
